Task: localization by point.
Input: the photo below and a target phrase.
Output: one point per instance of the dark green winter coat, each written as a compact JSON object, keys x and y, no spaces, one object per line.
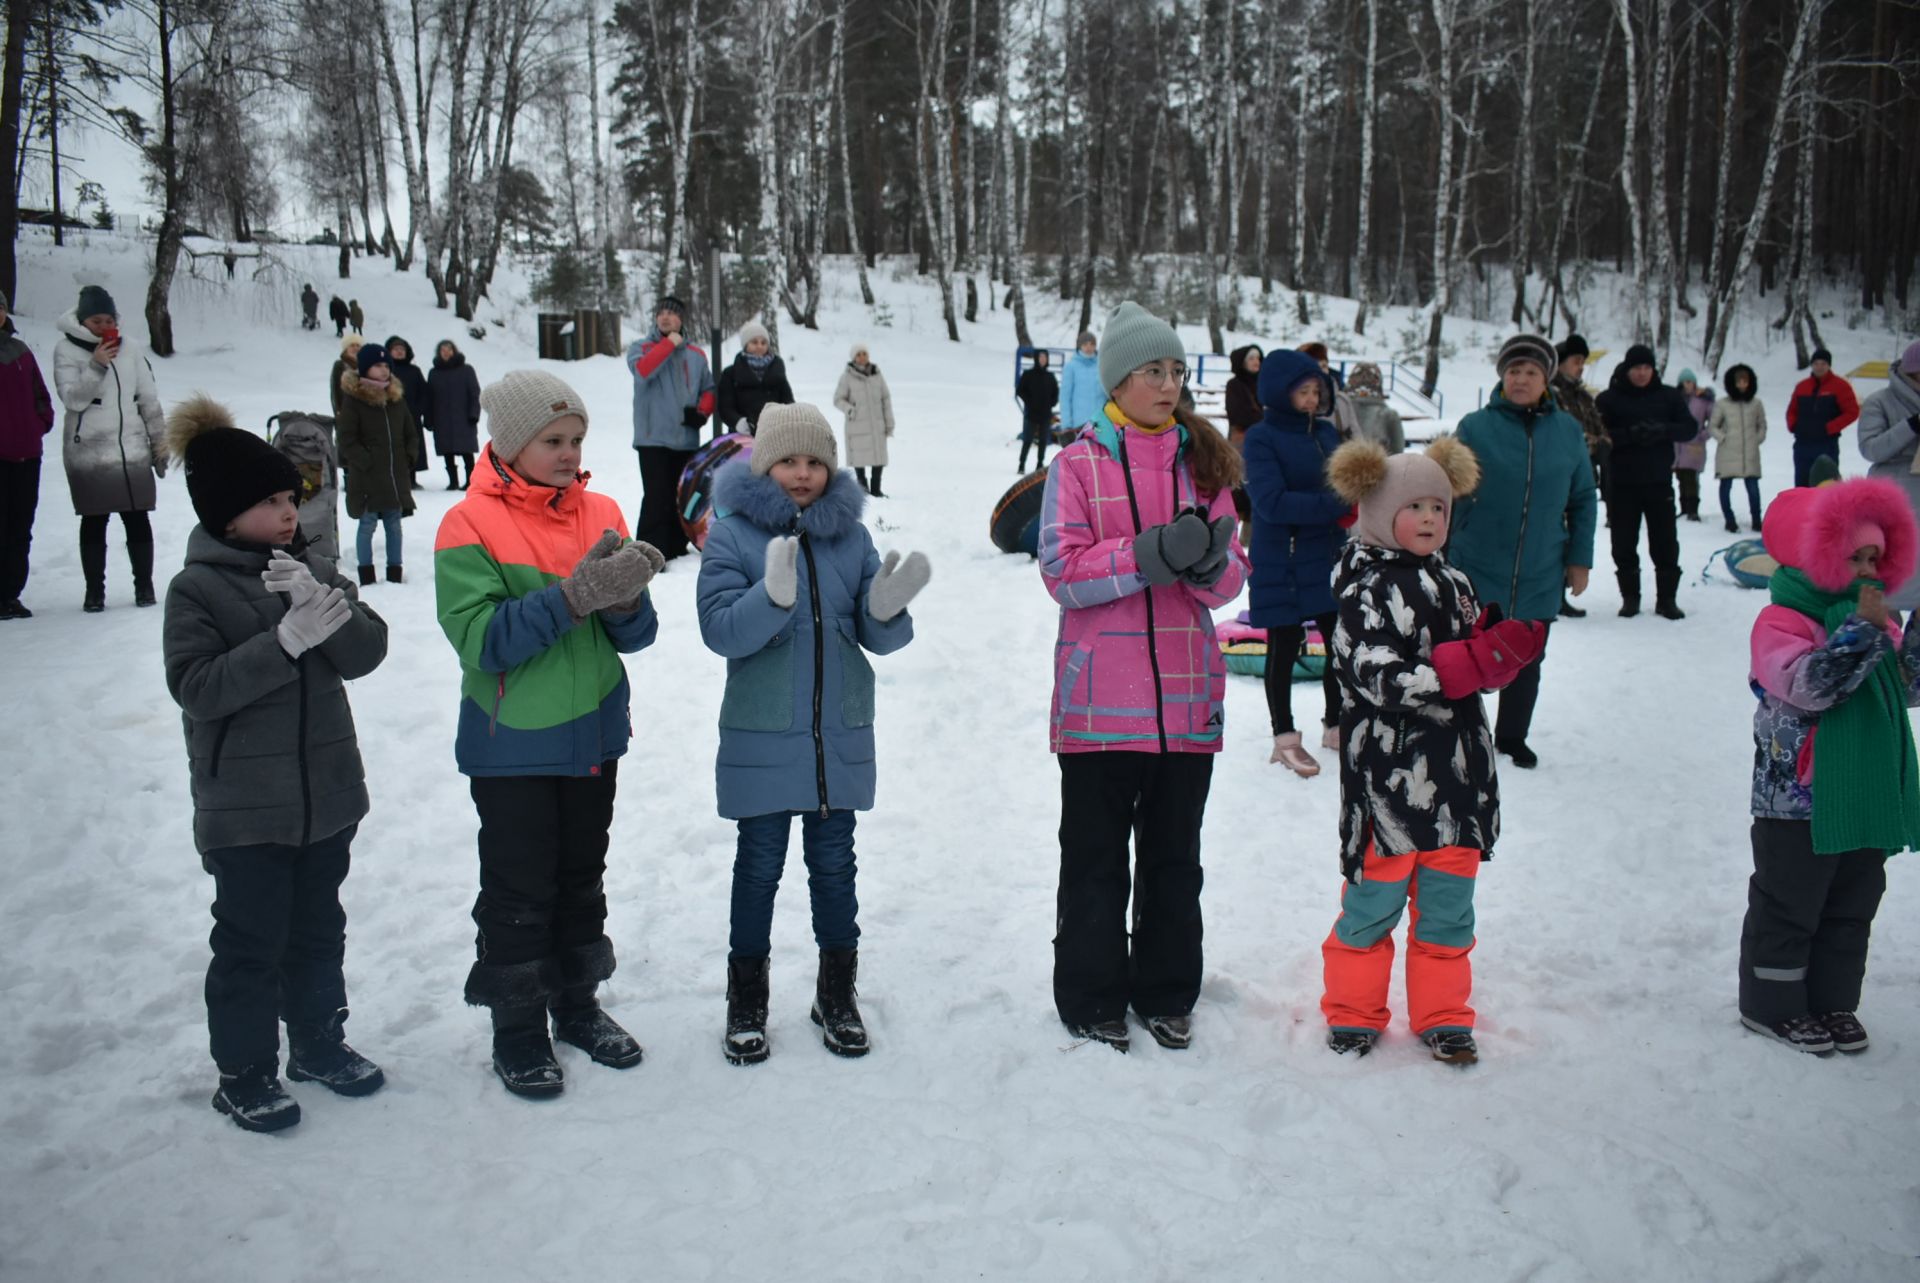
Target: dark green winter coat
{"x":1534,"y":512}
{"x":270,"y":744}
{"x":379,"y":442}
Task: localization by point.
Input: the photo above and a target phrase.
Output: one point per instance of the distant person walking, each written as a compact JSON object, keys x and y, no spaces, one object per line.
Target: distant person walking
{"x":357,"y":317}
{"x":113,"y":441}
{"x":337,"y":313}
{"x":309,"y":308}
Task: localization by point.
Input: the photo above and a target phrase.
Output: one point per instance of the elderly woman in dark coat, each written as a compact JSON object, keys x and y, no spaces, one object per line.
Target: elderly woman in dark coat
{"x":453,"y":412}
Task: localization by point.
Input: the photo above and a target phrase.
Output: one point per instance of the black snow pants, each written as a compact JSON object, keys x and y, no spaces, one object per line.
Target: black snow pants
{"x":1803,"y":947}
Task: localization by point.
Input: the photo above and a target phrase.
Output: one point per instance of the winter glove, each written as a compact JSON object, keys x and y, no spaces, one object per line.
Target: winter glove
{"x":605,"y":546}
{"x":896,"y":584}
{"x":1488,"y":660}
{"x":783,"y":570}
{"x":692,"y":418}
{"x":1206,"y":572}
{"x":602,"y":583}
{"x":288,"y":574}
{"x":656,"y":562}
{"x":308,"y":623}
{"x":1162,"y":552}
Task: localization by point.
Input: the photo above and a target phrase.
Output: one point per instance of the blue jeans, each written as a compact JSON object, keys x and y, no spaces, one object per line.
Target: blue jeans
{"x":1753,"y":497}
{"x":364,"y":541}
{"x":827,"y":843}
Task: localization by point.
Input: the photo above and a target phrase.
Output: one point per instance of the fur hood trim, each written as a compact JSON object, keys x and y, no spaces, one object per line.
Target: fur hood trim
{"x":189,"y":418}
{"x":1812,"y":528}
{"x":352,"y":384}
{"x":736,"y":491}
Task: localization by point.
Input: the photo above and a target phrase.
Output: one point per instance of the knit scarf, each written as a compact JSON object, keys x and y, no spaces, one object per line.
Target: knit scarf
{"x":1866,"y":786}
{"x":377,"y":383}
{"x":761,"y":361}
{"x":1120,"y":420}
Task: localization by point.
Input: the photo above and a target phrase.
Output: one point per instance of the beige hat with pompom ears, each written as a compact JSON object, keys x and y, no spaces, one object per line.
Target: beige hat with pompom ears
{"x":1380,"y":485}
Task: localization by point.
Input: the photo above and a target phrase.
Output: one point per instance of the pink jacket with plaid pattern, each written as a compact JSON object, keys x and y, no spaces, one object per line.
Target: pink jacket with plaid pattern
{"x":1134,"y":667}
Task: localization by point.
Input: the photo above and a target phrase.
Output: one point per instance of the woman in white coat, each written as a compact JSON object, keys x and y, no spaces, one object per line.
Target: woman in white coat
{"x":1738,"y":425}
{"x":112,"y":440}
{"x":863,"y":397}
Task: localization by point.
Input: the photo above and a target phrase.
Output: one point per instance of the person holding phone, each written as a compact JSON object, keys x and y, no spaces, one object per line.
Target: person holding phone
{"x":113,"y":440}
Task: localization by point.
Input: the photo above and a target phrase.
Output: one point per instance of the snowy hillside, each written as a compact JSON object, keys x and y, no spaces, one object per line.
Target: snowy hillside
{"x":1619,"y":1125}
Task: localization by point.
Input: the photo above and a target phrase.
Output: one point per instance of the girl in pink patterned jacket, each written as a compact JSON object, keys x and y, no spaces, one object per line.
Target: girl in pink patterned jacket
{"x":1137,"y":545}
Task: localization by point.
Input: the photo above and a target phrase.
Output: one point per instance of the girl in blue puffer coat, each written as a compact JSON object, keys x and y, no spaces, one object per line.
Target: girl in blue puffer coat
{"x":1297,"y":534}
{"x":792,"y":592}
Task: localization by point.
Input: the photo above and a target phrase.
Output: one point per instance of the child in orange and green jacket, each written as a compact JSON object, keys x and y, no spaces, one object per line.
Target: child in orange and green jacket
{"x":540,"y":591}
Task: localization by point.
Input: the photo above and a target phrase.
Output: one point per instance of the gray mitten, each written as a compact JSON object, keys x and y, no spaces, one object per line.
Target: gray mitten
{"x":1206,"y":572}
{"x":656,"y":562}
{"x":783,"y":570}
{"x":603,"y":583}
{"x":310,"y":622}
{"x":605,"y":546}
{"x":1162,"y":552}
{"x":897,"y":583}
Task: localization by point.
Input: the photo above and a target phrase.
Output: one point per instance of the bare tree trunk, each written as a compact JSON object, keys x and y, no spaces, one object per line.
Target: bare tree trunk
{"x":1363,"y":246}
{"x":1660,"y":212}
{"x":1299,"y":273}
{"x":1009,"y":216}
{"x":602,"y":231}
{"x":1729,"y":142}
{"x":1811,"y":12}
{"x":1522,"y":250}
{"x":166,"y":248}
{"x":1084,"y":174}
{"x":1569,"y":211}
{"x":416,"y":184}
{"x":846,"y":168}
{"x":969,"y":178}
{"x":1798,"y":293}
{"x":1629,"y":181}
{"x":1683,"y":259}
{"x":770,"y":34}
{"x":1445,"y":15}
{"x":933,"y":134}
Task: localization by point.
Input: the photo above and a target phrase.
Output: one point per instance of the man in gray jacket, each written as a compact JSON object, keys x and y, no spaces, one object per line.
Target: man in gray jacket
{"x":673,"y":396}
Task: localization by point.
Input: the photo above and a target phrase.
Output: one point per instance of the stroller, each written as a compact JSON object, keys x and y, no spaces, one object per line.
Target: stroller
{"x":307,"y":439}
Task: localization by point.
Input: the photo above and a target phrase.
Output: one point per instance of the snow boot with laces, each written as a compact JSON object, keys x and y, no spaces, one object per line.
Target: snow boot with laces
{"x":1451,"y":1046}
{"x":579,"y":1021}
{"x":835,"y":1006}
{"x":746,"y":1038}
{"x":1802,"y":1033}
{"x":1175,"y":1033}
{"x":255,"y":1100}
{"x":1848,"y":1034}
{"x":1111,"y":1032}
{"x":1357,"y":1041}
{"x":320,"y":1054}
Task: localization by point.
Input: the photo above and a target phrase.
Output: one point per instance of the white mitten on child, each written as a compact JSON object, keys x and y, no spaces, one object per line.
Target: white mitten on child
{"x":897,"y":583}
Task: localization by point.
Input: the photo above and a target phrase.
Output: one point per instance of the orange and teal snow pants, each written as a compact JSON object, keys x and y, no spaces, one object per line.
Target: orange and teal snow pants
{"x":1436,"y":888}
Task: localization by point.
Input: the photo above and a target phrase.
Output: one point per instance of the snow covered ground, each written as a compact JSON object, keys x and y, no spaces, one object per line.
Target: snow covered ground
{"x":1619,"y":1125}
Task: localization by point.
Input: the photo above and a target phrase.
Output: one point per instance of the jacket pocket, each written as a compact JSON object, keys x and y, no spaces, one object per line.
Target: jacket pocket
{"x":759,"y":694}
{"x":856,"y":680}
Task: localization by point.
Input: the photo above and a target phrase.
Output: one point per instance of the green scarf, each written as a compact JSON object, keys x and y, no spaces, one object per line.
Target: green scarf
{"x":1866,"y":785}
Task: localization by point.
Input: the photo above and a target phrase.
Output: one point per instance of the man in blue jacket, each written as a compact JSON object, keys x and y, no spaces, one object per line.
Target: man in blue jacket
{"x":1526,"y":534}
{"x":673,"y":396}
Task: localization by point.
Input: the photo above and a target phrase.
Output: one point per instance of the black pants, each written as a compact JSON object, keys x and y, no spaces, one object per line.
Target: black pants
{"x":1156,"y":800}
{"x":93,"y":547}
{"x":1653,"y":500}
{"x":453,"y":471}
{"x":1514,"y":717}
{"x":543,"y":855}
{"x":1803,"y":947}
{"x":279,"y":938}
{"x":1283,"y":652}
{"x":860,"y":475}
{"x":1034,"y":433}
{"x":19,"y":497}
{"x":659,"y":520}
{"x":1808,"y":449}
{"x":1689,"y":491}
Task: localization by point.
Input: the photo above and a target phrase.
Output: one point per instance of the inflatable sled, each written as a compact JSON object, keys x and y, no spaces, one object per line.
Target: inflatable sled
{"x":307,"y":439}
{"x":695,"y":494}
{"x":1015,"y":526}
{"x":1245,"y":648}
{"x":1747,"y":561}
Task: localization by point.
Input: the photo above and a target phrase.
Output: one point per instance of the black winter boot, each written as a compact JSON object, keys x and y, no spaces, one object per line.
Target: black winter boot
{"x":453,"y":474}
{"x":93,"y":564}
{"x":834,"y":1006}
{"x":1630,"y":606}
{"x":394,"y":575}
{"x":255,"y":1100}
{"x":319,"y":1053}
{"x":523,"y":1053}
{"x":579,"y":1021}
{"x":876,"y":492}
{"x":367,"y":577}
{"x":746,"y":1040}
{"x":140,"y":555}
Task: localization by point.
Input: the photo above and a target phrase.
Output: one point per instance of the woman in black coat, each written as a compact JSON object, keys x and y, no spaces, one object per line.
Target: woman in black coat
{"x":413,"y":381}
{"x":453,"y":413}
{"x":756,"y":379}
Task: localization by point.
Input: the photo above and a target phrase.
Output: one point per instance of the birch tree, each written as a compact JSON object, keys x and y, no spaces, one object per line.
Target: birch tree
{"x":1629,"y":182}
{"x":1363,"y":245}
{"x":1009,"y":217}
{"x":846,"y":167}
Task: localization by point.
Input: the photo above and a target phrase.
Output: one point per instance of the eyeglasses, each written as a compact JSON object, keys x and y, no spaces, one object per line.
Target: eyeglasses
{"x":1158,"y":376}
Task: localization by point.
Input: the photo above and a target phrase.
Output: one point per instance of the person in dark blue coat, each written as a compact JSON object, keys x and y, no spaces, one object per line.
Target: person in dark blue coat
{"x":1296,"y":536}
{"x":794,"y":595}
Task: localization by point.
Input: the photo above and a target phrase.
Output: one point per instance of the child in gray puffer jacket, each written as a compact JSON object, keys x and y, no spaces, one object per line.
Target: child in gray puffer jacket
{"x":261,"y":635}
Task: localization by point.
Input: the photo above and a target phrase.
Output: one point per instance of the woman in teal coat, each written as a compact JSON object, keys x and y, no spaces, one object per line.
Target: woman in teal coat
{"x":1527,"y":532}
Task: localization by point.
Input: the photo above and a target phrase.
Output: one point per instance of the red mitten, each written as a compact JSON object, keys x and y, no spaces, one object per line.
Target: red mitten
{"x":1490,"y":659}
{"x":1459,"y":669}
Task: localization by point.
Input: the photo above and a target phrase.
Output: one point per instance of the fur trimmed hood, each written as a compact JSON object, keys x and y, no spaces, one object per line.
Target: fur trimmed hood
{"x":1814,"y":529}
{"x":761,"y":500}
{"x":354,"y":386}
